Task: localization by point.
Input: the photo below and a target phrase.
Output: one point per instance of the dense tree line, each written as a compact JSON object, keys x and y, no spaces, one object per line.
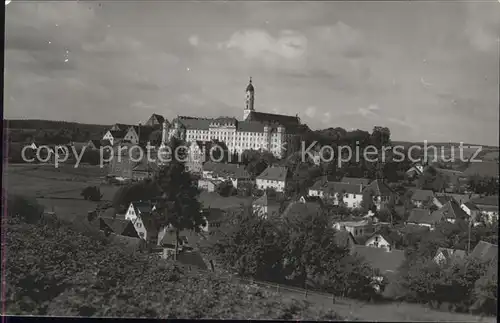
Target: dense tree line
{"x":57,"y":271}
{"x":299,"y":250}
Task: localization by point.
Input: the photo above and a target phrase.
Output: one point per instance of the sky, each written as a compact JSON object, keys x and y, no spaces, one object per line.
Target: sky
{"x":427,"y":70}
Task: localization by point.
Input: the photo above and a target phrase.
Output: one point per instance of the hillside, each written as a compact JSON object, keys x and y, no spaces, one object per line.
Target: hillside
{"x":50,"y":124}
{"x":57,"y":271}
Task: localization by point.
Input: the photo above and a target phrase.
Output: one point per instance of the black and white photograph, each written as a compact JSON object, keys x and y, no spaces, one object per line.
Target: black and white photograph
{"x":251,"y":160}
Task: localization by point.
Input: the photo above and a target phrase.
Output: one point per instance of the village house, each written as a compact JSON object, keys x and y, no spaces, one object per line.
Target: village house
{"x":471,"y":210}
{"x":424,"y":218}
{"x":155,"y":120}
{"x":123,"y":161}
{"x":273,"y":177}
{"x":114,"y":136}
{"x":138,"y":134}
{"x":97,"y":144}
{"x":214,"y":219}
{"x":339,"y":193}
{"x":112,"y":222}
{"x":356,"y":228}
{"x":226,"y":172}
{"x":420,"y":198}
{"x":488,"y":206}
{"x":451,"y":212}
{"x":378,"y":240}
{"x":447,"y":256}
{"x":345,"y":239}
{"x":311,"y":199}
{"x":120,"y":127}
{"x":415,"y":170}
{"x":144,"y":169}
{"x":209,"y":185}
{"x":265,"y":206}
{"x":381,"y":193}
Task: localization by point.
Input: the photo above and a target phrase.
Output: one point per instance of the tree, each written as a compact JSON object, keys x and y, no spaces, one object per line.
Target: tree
{"x":179,"y":206}
{"x":483,"y":185}
{"x":92,"y":193}
{"x":20,"y":207}
{"x":140,"y":191}
{"x":380,"y":137}
{"x":485,"y":292}
{"x":253,"y":247}
{"x":226,"y":189}
{"x":367,"y":202}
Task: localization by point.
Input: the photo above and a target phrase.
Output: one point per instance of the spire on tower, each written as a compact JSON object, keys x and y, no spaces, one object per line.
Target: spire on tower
{"x":250,"y":86}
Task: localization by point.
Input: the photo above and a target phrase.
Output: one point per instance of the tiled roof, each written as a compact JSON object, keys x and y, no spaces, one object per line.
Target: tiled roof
{"x":122,"y":126}
{"x":195,"y":123}
{"x":486,"y":200}
{"x":313,"y":199}
{"x":250,"y":126}
{"x":226,"y":170}
{"x":486,"y":168}
{"x":450,"y":210}
{"x":344,"y":239}
{"x":459,"y":198}
{"x":355,"y":181}
{"x":388,"y":262}
{"x":379,"y":188}
{"x":422,"y":195}
{"x":160,"y":119}
{"x":471,"y":206}
{"x":117,"y":225}
{"x":339,"y":187}
{"x":301,"y":208}
{"x":485,"y":251}
{"x":384,"y":236}
{"x":422,"y":216}
{"x":274,"y":173}
{"x":118,"y":134}
{"x":452,"y":254}
{"x":273,"y":118}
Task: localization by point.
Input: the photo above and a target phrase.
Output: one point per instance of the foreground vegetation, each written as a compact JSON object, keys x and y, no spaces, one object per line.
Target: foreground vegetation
{"x":57,"y":271}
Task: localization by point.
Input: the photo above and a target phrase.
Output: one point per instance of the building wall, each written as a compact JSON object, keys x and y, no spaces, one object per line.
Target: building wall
{"x":132,"y":136}
{"x":108,"y":136}
{"x":263,"y":184}
{"x":378,"y":241}
{"x":237,"y":141}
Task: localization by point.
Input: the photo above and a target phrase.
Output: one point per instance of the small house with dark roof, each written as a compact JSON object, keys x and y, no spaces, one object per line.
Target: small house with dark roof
{"x":487,"y":205}
{"x":357,"y":228}
{"x":155,"y":120}
{"x":111,"y":222}
{"x":379,"y":240}
{"x":144,"y":169}
{"x":311,"y":199}
{"x":265,"y":206}
{"x":120,"y":127}
{"x":420,"y":197}
{"x":114,"y":136}
{"x":345,"y":239}
{"x":382,"y":193}
{"x":424,"y":218}
{"x":451,"y":212}
{"x":226,"y":172}
{"x":138,"y":134}
{"x":347,"y":194}
{"x":447,"y":256}
{"x":471,"y":209}
{"x":214,"y":219}
{"x":273,"y":177}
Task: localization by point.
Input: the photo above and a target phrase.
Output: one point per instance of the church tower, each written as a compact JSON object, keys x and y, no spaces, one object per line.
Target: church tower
{"x":249,"y":100}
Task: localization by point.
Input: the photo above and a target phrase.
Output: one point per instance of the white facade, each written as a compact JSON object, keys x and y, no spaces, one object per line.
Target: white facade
{"x":357,"y":229}
{"x":132,"y":136}
{"x":238,"y":136}
{"x":264,"y":184}
{"x":378,"y":241}
{"x":108,"y":136}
